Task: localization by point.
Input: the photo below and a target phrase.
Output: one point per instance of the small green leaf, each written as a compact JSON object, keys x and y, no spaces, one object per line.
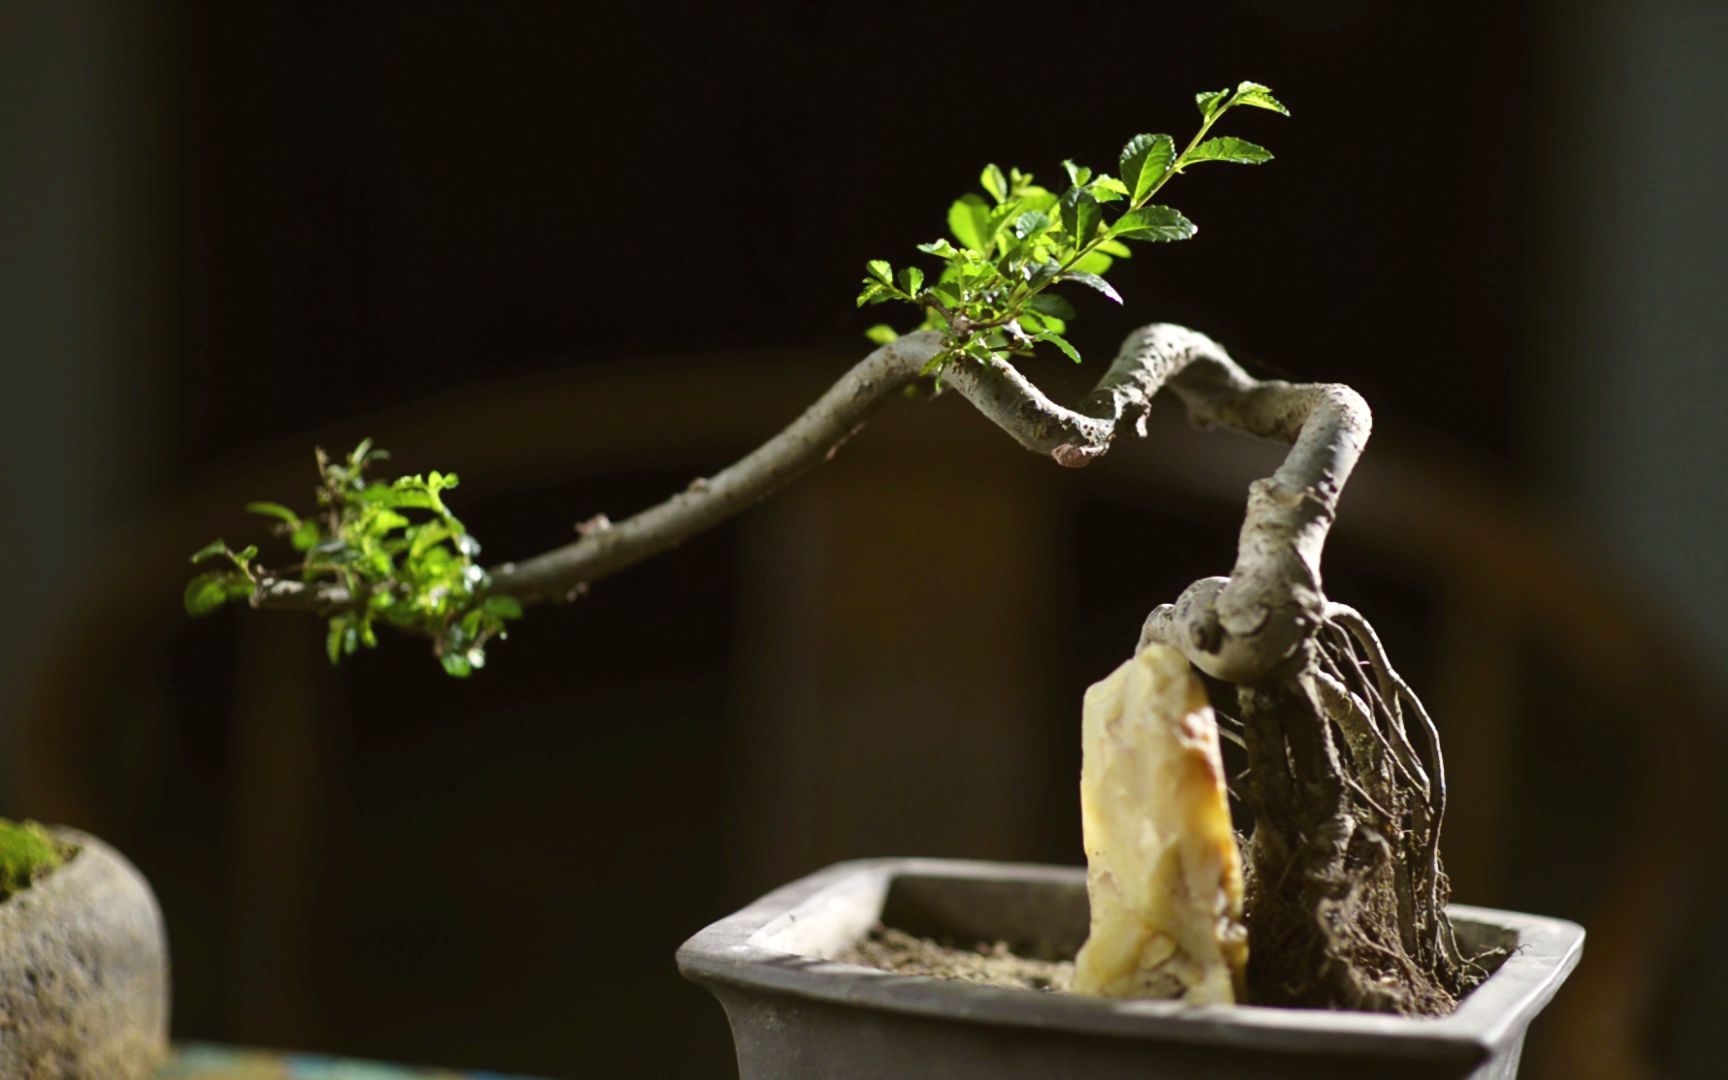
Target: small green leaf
{"x":1228,"y":148}
{"x":1051,"y":304}
{"x":968,"y":220}
{"x":275,"y":510}
{"x":502,"y":607}
{"x":305,"y":536}
{"x":882,"y":334}
{"x":979,"y":351}
{"x":1037,"y":198}
{"x":940,"y":247}
{"x":427,"y":535}
{"x":1031,"y":223}
{"x":1080,"y":215}
{"x":456,"y":664}
{"x":873,"y":293}
{"x":381,"y":521}
{"x":1095,"y":262}
{"x":214,"y":549}
{"x":205,"y":593}
{"x":1041,"y":274}
{"x":1077,"y":174}
{"x":1107,"y":189}
{"x":1001,"y":216}
{"x":880,"y":271}
{"x":1145,"y":160}
{"x":1060,"y":342}
{"x":333,"y":639}
{"x":911,"y":281}
{"x":408,"y":492}
{"x":1157,"y":223}
{"x":995,"y":183}
{"x":1035,"y":322}
{"x":1093,"y":281}
{"x":1211,"y":102}
{"x":1259,"y":96}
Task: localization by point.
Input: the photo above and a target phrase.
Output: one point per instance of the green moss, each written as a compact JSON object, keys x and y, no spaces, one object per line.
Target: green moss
{"x":27,"y":852}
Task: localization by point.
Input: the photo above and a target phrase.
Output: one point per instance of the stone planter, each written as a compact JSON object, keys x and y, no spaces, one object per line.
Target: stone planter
{"x":83,"y":972}
{"x":795,"y":1013}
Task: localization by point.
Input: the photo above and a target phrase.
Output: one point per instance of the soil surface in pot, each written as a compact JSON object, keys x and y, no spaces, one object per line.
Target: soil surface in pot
{"x":992,"y":963}
{"x":986,"y":963}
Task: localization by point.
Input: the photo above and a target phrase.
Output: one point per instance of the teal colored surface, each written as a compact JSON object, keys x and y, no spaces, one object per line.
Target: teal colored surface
{"x":225,"y":1063}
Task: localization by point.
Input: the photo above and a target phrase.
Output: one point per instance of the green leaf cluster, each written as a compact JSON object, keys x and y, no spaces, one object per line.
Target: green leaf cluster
{"x":27,"y":851}
{"x":1016,"y":240}
{"x":404,"y":558}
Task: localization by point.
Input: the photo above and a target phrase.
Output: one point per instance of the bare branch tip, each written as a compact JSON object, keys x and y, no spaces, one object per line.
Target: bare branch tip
{"x":1070,"y":456}
{"x":599,"y":523}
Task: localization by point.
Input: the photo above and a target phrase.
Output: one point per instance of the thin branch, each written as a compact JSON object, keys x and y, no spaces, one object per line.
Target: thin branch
{"x":1240,"y":627}
{"x":808,"y":441}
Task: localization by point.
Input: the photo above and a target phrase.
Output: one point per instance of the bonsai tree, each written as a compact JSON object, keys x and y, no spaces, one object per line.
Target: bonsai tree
{"x":1346,"y":896}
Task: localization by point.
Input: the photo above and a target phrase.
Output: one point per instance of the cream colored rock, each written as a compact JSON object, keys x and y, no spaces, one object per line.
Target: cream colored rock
{"x":1164,"y":872}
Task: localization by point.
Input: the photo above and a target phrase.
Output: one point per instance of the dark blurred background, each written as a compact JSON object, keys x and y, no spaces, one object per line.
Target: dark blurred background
{"x":583,"y":255}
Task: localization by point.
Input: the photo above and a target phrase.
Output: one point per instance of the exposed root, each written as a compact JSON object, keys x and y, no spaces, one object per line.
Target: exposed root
{"x":1346,"y":901}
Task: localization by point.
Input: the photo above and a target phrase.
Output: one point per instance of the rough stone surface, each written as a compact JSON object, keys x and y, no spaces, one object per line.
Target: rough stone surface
{"x":83,"y":973}
{"x":1165,"y":876}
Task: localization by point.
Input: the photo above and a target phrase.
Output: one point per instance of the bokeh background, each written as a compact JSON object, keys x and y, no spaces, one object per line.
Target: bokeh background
{"x":581,"y":256}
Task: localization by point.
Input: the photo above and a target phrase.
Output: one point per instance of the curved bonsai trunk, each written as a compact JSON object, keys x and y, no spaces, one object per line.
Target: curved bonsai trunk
{"x":1346,"y":899}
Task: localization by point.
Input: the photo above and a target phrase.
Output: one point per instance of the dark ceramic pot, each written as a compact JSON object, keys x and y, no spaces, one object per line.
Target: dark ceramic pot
{"x":83,"y":972}
{"x":796,"y":1013}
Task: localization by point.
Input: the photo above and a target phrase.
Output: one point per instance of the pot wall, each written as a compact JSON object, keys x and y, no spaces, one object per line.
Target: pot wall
{"x":795,"y":1013}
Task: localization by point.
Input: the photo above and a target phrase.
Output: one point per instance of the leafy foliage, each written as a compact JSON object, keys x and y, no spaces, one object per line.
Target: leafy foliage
{"x":394,"y":553}
{"x":396,"y":549}
{"x":27,"y":851}
{"x":1016,"y":240}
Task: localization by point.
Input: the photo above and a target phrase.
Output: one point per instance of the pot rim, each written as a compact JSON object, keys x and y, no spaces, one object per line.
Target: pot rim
{"x":757,"y":948}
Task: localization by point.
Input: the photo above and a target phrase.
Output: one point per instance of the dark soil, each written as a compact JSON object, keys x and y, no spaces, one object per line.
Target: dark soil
{"x":988,"y":964}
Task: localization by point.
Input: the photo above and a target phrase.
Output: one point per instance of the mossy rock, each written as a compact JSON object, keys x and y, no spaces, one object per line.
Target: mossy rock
{"x":27,"y":852}
{"x":83,"y":963}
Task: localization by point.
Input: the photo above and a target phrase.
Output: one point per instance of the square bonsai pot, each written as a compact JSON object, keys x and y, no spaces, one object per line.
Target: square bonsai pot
{"x":796,"y":1012}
